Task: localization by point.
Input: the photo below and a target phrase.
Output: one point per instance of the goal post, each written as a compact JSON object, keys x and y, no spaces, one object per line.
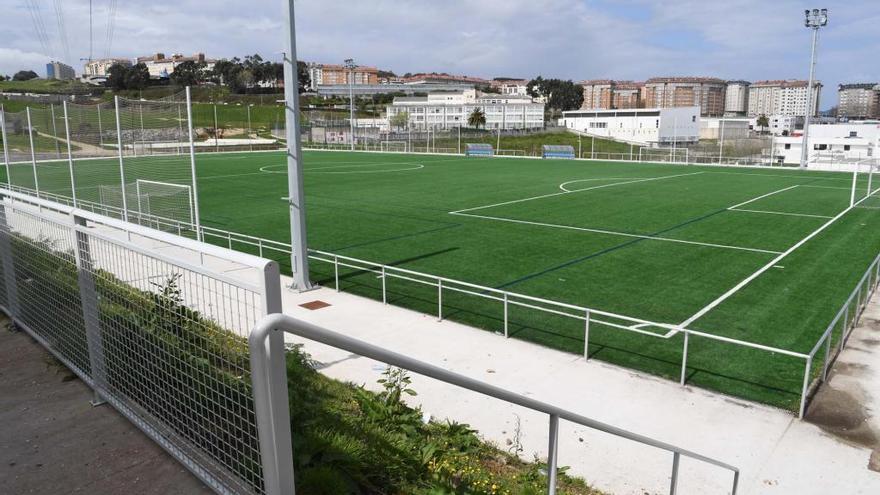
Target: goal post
{"x":165,"y":200}
{"x":393,"y":146}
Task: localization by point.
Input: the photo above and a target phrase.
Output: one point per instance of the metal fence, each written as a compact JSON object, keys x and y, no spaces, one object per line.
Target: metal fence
{"x":152,"y":322}
{"x":273,"y":415}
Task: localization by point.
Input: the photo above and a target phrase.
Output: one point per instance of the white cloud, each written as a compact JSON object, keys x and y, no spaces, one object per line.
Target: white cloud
{"x":12,"y":60}
{"x":578,"y":39}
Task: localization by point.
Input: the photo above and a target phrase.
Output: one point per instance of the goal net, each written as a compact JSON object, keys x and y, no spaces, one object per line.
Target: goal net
{"x":397,"y":146}
{"x":160,"y":205}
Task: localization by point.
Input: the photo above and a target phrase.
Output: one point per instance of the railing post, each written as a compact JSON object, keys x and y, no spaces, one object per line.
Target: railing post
{"x":439,"y":300}
{"x":827,"y":355}
{"x":803,"y":407}
{"x":552,"y":455}
{"x":336,"y":271}
{"x":8,"y":261}
{"x":88,"y":294}
{"x":506,"y":334}
{"x":384,"y":295}
{"x":673,"y":484}
{"x":684,"y":358}
{"x":587,"y":337}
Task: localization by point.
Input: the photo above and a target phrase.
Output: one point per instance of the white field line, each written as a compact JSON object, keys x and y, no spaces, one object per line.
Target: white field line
{"x":775,"y":261}
{"x":827,"y":187}
{"x":570,"y":192}
{"x":612,"y":232}
{"x":562,"y":186}
{"x":761,"y":197}
{"x":792,"y":176}
{"x":780,"y":213}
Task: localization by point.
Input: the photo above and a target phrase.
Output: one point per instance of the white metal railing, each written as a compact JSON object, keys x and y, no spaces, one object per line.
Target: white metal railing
{"x":133,"y":312}
{"x":273,"y":413}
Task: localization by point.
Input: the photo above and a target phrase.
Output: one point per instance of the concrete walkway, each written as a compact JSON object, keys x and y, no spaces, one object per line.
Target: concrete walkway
{"x":53,"y":441}
{"x":777,"y":453}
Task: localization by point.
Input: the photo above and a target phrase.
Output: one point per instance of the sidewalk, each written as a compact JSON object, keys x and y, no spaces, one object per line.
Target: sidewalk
{"x":776,"y":452}
{"x":53,"y":441}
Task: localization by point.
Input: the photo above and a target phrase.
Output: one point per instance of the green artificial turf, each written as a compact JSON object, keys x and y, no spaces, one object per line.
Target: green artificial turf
{"x":650,"y":241}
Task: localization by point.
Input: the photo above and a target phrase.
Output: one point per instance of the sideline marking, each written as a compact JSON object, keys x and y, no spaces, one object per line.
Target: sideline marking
{"x":572,"y":191}
{"x":321,"y":170}
{"x":562,"y":186}
{"x":769,"y":265}
{"x":612,"y":232}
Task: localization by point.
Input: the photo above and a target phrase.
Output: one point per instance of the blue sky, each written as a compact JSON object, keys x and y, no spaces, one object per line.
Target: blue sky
{"x":577,"y":39}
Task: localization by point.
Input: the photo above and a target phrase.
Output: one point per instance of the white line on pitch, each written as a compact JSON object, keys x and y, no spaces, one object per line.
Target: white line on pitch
{"x":570,"y":192}
{"x":827,"y":187}
{"x":562,"y":186}
{"x":775,"y":261}
{"x":612,"y":232}
{"x":780,"y":213}
{"x":761,"y":197}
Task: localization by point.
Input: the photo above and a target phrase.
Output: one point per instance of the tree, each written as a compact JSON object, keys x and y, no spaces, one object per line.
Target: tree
{"x":189,"y":73}
{"x":116,"y":76}
{"x":24,"y":75}
{"x":305,"y":80}
{"x":137,"y":77}
{"x":763,"y":122}
{"x":400,"y":120}
{"x":477,"y":118}
{"x":3,"y":78}
{"x":560,"y":95}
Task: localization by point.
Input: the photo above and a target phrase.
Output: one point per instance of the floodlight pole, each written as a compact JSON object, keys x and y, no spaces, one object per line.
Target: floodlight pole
{"x":299,"y":255}
{"x":121,"y":166}
{"x":5,"y":145}
{"x":33,"y":154}
{"x":192,"y":168}
{"x":814,"y":20}
{"x":350,"y":65}
{"x":69,"y":154}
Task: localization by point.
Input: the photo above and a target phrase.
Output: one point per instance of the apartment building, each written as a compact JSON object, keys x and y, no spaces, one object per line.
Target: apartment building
{"x":161,"y":67}
{"x":704,"y":92}
{"x":609,"y":94}
{"x":780,"y":97}
{"x":451,"y":109}
{"x":736,"y":99}
{"x":101,"y":67}
{"x":59,"y":70}
{"x":858,"y":101}
{"x":333,"y":74}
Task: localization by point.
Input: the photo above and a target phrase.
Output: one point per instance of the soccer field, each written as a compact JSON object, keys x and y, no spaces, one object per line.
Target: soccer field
{"x":760,"y":255}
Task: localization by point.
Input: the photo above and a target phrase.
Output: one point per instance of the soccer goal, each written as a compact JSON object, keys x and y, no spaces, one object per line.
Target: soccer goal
{"x":393,"y":146}
{"x":478,"y":149}
{"x":160,"y":205}
{"x":560,"y":151}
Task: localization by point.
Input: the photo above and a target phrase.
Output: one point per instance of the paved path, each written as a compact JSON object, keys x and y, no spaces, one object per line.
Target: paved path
{"x":53,"y":441}
{"x":777,"y":453}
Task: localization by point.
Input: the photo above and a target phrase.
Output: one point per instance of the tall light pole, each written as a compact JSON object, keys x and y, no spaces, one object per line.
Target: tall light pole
{"x":350,"y":65}
{"x":813,"y":19}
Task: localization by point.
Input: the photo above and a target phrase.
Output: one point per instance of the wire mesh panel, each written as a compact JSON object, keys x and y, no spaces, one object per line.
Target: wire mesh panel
{"x":157,"y":333}
{"x":18,"y":149}
{"x":93,"y":148}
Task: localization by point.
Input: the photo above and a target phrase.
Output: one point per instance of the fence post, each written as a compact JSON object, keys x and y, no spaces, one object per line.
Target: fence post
{"x":439,"y":300}
{"x":8,"y":262}
{"x":192,"y":166}
{"x":684,"y":358}
{"x":384,"y":296}
{"x":827,"y":355}
{"x":69,"y":154}
{"x":55,"y":129}
{"x":552,"y":454}
{"x":673,"y":485}
{"x":807,"y":368}
{"x":587,"y":337}
{"x":506,"y":334}
{"x":88,"y":294}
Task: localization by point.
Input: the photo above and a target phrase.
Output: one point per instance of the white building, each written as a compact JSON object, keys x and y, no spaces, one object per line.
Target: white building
{"x":511,"y":87}
{"x":101,"y":67}
{"x":782,"y":98}
{"x":729,"y":127}
{"x":736,"y":98}
{"x":647,"y":126}
{"x":832,"y":144}
{"x":451,"y":109}
{"x":161,"y":67}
